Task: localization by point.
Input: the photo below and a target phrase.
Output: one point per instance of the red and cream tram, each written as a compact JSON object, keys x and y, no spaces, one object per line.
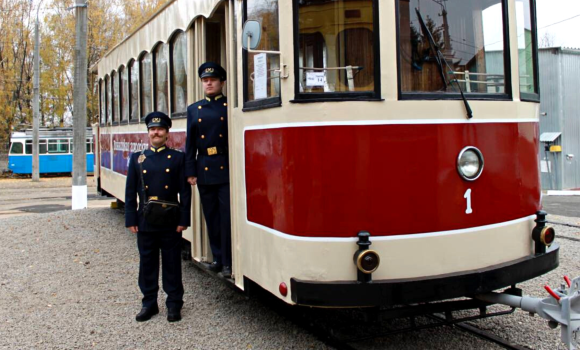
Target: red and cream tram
{"x":382,"y":152}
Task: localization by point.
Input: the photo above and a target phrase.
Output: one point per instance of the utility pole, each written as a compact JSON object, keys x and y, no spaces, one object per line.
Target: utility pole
{"x":35,"y":102}
{"x":79,"y":176}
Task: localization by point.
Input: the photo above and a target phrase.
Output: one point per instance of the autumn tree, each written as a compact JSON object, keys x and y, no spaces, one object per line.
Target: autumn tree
{"x":15,"y":66}
{"x":109,"y":22}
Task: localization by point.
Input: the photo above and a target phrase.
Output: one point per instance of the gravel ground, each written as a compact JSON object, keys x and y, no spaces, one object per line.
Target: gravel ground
{"x":68,"y":280}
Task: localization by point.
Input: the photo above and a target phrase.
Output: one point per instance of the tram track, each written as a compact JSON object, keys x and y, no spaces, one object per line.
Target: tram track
{"x":322,"y":324}
{"x":335,"y":339}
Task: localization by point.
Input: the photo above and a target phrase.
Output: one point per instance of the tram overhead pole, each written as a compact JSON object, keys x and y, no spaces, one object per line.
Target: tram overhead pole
{"x":79,"y":174}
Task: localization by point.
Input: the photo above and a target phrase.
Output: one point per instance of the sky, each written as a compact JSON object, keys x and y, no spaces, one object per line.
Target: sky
{"x":549,"y":12}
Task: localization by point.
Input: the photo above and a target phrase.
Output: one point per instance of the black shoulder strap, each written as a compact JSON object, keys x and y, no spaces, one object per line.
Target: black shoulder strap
{"x":141,"y":174}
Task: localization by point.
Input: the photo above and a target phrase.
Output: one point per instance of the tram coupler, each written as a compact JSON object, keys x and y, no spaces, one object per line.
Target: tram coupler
{"x":561,"y":308}
{"x":366,"y":260}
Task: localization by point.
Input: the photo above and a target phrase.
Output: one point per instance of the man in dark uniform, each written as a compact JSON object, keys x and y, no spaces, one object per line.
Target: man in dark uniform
{"x":162,"y":171}
{"x":206,"y":163}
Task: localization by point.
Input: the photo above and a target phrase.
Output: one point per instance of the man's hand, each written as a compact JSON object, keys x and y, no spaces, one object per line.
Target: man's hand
{"x":134,"y":229}
{"x":181,"y":228}
{"x":192,"y":180}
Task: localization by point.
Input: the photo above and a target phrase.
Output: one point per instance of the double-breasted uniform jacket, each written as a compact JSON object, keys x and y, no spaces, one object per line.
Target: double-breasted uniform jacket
{"x":206,"y":148}
{"x":164,"y":177}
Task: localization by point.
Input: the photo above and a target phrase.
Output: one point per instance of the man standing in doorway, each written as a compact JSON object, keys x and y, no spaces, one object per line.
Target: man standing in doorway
{"x":157,"y":173}
{"x":207,"y":163}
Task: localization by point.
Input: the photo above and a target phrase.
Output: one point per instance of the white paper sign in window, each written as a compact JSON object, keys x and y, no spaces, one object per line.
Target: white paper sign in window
{"x":260,"y":76}
{"x":315,"y":79}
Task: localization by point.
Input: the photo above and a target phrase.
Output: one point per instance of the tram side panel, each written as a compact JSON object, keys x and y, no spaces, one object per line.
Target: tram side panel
{"x":310,"y":190}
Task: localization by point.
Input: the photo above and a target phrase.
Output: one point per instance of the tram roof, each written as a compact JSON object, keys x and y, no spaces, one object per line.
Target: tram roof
{"x":49,"y":133}
{"x":174,"y":15}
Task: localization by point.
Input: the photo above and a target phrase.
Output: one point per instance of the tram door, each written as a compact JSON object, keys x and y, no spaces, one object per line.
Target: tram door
{"x":208,"y":43}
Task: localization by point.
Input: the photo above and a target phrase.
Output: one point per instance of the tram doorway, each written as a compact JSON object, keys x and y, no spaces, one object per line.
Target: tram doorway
{"x":208,"y":43}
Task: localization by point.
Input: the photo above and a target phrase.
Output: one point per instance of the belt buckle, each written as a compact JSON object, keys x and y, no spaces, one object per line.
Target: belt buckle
{"x":212,"y":151}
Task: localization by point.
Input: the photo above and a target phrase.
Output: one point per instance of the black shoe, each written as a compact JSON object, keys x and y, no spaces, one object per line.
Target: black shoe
{"x":173,"y":314}
{"x":226,"y":272}
{"x":214,"y":267}
{"x":146,"y":313}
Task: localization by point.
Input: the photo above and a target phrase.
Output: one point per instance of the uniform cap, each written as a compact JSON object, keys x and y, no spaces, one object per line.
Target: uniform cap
{"x":158,"y":119}
{"x":211,"y":69}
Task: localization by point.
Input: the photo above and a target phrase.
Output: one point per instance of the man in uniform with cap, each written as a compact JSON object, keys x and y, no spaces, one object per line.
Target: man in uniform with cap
{"x":207,"y":163}
{"x":158,"y":173}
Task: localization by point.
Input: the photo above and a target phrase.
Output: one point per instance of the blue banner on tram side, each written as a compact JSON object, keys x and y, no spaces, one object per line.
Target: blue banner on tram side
{"x":105,"y":141}
{"x":126,"y":144}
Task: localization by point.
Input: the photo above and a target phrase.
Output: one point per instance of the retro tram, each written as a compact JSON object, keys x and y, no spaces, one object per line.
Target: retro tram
{"x":381,"y":152}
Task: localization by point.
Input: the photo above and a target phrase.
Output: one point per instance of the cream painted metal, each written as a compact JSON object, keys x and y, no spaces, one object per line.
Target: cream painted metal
{"x":268,"y":257}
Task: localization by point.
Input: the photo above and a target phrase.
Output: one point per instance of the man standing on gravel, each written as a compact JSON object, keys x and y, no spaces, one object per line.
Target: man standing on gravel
{"x":158,"y":173}
{"x":207,"y":164}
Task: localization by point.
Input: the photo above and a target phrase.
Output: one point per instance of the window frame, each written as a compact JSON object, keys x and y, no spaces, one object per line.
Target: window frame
{"x":154,"y":52}
{"x":22,"y":148}
{"x":174,"y":37}
{"x":108,"y":100}
{"x":115,"y":119}
{"x":256,"y":105}
{"x":141,"y":82}
{"x":507,"y":95}
{"x":303,"y":97}
{"x":58,"y":143}
{"x":102,"y":106}
{"x":130,"y":68}
{"x":123,"y":70}
{"x":41,"y":142}
{"x":527,"y":96}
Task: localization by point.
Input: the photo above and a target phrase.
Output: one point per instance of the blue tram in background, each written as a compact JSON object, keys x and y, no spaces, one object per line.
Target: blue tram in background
{"x":55,"y":151}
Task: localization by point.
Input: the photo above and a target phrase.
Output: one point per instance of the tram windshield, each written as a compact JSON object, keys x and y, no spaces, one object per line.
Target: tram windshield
{"x":336,"y":46}
{"x":470,"y":35}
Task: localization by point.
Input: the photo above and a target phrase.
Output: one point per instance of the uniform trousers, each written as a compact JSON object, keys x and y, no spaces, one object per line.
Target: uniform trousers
{"x":215,"y":200}
{"x":149,"y":244}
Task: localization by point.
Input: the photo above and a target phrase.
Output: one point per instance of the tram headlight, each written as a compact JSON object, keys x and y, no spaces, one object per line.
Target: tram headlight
{"x":470,"y":163}
{"x":367,"y":261}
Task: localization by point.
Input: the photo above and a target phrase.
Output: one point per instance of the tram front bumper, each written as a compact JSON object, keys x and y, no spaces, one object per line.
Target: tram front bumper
{"x":416,"y":290}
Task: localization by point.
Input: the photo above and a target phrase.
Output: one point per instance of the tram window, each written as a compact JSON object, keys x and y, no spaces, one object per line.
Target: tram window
{"x":336,"y":47}
{"x":145,"y":74}
{"x":179,"y":74}
{"x":124,"y":91}
{"x":160,"y":78}
{"x":16,"y":148}
{"x":134,"y":88}
{"x":115,"y":101}
{"x":263,"y":92}
{"x":58,"y":146}
{"x":41,"y":147}
{"x":527,"y":50}
{"x":103,"y":101}
{"x":89,"y":146}
{"x":109,"y":117}
{"x":471,"y":37}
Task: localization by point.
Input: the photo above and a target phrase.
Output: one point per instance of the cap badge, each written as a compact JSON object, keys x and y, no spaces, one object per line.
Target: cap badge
{"x":156,"y":120}
{"x":209,"y":70}
{"x":141,"y":159}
